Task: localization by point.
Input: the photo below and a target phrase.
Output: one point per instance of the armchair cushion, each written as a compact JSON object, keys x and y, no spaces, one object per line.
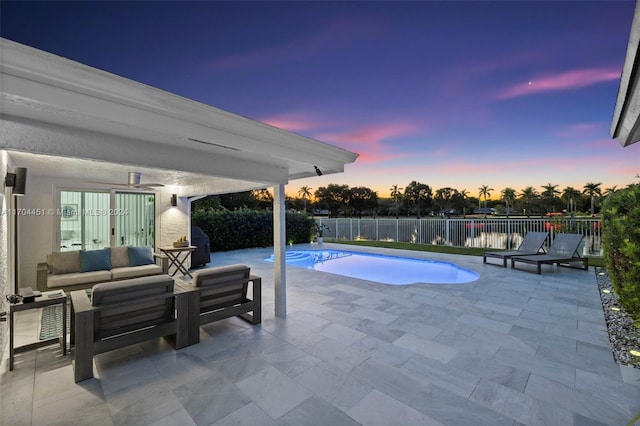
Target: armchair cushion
{"x":139,"y":256}
{"x":95,"y":260}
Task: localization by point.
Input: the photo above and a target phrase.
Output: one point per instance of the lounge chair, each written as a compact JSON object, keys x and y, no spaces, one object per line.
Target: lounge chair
{"x":123,"y":313}
{"x":219,"y":293}
{"x":531,"y":244}
{"x":563,"y":252}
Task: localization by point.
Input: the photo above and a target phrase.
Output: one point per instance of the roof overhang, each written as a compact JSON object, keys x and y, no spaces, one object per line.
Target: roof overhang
{"x":54,"y":107}
{"x":626,"y":117}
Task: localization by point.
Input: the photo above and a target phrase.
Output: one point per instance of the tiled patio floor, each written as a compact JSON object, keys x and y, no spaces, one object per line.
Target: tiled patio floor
{"x":511,"y":348}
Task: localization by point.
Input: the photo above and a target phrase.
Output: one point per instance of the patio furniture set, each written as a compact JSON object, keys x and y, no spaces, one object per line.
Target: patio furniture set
{"x":563,"y":251}
{"x":122,"y":313}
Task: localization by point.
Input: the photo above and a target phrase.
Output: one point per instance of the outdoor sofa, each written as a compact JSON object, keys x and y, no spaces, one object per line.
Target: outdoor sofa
{"x":80,"y":269}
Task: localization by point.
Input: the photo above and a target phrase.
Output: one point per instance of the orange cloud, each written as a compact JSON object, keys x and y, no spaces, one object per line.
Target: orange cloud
{"x":564,"y":81}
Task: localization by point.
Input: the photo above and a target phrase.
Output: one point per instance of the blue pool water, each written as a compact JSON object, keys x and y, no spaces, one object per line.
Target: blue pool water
{"x":379,"y":268}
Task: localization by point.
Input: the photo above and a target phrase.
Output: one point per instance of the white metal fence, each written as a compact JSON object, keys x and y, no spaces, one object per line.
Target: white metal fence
{"x":488,"y":233}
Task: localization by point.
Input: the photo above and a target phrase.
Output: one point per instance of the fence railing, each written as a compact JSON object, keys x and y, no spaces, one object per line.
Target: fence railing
{"x":500,"y":233}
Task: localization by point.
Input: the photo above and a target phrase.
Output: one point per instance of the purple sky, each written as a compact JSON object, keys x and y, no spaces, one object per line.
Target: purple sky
{"x":458,"y":94}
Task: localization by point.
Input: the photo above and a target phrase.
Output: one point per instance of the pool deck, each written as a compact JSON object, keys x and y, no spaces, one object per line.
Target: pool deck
{"x":511,"y":348}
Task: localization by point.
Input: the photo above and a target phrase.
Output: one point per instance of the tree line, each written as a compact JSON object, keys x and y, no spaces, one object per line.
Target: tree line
{"x":418,"y":199}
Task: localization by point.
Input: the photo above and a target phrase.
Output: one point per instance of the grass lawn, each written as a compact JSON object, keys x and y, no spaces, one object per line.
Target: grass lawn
{"x":469,"y":251}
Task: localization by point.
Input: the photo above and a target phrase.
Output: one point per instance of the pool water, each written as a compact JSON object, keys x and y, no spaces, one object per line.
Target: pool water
{"x":380,"y":268}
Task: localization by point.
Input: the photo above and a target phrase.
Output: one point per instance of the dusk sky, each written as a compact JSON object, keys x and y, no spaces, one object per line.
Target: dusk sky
{"x":459,"y":94}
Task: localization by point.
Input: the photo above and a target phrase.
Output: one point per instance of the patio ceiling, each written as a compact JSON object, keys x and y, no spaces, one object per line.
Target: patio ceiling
{"x":626,"y":117}
{"x":62,"y":118}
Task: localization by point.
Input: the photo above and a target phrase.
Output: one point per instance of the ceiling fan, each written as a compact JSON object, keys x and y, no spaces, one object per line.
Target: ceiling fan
{"x":134,"y":182}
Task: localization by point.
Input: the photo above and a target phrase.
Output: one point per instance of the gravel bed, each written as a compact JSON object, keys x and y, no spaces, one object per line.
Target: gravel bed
{"x":623,"y":334}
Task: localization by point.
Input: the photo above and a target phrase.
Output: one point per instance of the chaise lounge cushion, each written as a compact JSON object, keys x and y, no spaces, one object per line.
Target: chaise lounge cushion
{"x":64,"y":262}
{"x":95,"y":260}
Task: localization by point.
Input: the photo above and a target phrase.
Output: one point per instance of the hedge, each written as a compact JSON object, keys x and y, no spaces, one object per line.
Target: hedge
{"x":621,"y":243}
{"x":240,"y":229}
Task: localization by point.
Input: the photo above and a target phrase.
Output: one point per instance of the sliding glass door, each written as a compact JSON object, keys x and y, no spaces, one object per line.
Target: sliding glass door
{"x":91,"y":220}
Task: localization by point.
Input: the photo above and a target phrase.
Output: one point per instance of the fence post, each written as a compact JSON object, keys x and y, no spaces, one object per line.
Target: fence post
{"x":473,"y":233}
{"x":377,"y":232}
{"x":508,"y":234}
{"x":447,"y":241}
{"x":397,"y":230}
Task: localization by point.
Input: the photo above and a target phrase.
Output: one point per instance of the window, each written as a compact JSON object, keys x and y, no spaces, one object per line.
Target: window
{"x":87,"y":219}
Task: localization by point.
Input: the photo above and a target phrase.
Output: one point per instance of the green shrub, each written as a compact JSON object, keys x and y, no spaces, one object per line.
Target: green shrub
{"x":244,"y":228}
{"x":621,"y":243}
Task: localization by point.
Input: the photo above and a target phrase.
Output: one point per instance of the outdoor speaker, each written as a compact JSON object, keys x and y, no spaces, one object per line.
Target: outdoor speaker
{"x":20,"y":182}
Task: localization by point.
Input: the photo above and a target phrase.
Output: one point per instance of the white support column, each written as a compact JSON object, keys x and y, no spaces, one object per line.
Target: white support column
{"x":279,"y":245}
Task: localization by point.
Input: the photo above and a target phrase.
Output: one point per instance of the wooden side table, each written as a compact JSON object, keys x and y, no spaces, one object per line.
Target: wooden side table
{"x":177,"y":256}
{"x":39,"y":302}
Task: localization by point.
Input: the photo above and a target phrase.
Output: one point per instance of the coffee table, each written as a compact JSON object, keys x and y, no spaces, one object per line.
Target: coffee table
{"x":177,"y":256}
{"x":39,"y":302}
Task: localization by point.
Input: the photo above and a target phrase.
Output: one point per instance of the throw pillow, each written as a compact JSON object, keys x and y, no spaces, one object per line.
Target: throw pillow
{"x":119,"y":257}
{"x":95,"y":260}
{"x":64,"y":262}
{"x":139,"y":256}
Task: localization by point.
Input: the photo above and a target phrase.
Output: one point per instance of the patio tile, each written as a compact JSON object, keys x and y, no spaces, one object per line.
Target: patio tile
{"x":388,"y":333}
{"x":240,"y":367}
{"x":484,"y":322}
{"x":334,"y":386}
{"x":380,"y":409}
{"x":505,"y":341}
{"x":337,"y":354}
{"x":607,"y":388}
{"x":443,"y":375}
{"x":341,"y":333}
{"x":466,"y":344}
{"x":316,"y":412}
{"x":382,"y":351}
{"x":583,"y":403}
{"x":375,"y":315}
{"x":425,"y":347}
{"x":519,"y":406}
{"x":250,"y":414}
{"x":495,"y":307}
{"x":492,"y":370}
{"x":389,"y":380}
{"x":561,"y":373}
{"x":261,"y":388}
{"x":148,"y":409}
{"x":452,"y":409}
{"x":210,"y":398}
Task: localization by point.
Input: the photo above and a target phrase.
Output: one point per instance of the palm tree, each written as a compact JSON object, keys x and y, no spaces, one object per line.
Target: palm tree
{"x":611,"y":190}
{"x":529,"y":193}
{"x":509,"y":197}
{"x":305,"y":192}
{"x":550,"y":193}
{"x":463,"y":194}
{"x":396,"y":195}
{"x":569,"y":195}
{"x":485,"y":191}
{"x":592,"y":189}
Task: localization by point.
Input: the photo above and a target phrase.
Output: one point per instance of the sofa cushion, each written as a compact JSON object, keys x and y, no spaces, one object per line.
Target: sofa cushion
{"x":64,"y":262}
{"x":77,"y":278}
{"x":119,"y":257}
{"x":95,"y":260}
{"x":126,"y":290}
{"x":140,"y":256}
{"x":135,"y":271}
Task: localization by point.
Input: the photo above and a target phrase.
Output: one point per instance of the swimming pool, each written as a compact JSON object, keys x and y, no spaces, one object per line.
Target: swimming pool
{"x":380,"y":268}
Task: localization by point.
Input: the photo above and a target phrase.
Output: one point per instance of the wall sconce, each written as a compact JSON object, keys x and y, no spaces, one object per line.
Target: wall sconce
{"x":174,"y":200}
{"x":318,"y":171}
{"x":17,"y":180}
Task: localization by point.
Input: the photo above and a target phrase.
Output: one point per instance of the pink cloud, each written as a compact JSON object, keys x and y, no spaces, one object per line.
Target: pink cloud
{"x":564,"y":81}
{"x":367,"y":141}
{"x":293,"y":123}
